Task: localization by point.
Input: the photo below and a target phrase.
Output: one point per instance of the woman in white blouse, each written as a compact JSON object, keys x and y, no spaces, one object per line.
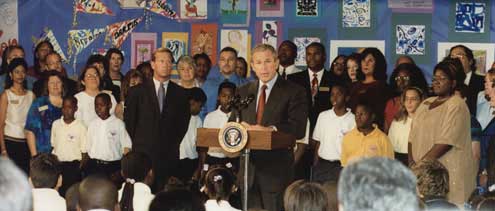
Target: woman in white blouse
{"x":401,"y":125}
{"x":89,"y":80}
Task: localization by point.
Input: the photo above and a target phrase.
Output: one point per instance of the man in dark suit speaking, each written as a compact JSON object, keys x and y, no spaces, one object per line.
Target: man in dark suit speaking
{"x":280,"y":106}
{"x":157,"y":117}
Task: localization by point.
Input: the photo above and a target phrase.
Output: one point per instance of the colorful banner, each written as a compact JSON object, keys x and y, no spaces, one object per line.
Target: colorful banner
{"x":81,"y":38}
{"x":92,"y":6}
{"x":118,"y":32}
{"x":48,"y":35}
{"x":161,"y":7}
{"x":143,"y":46}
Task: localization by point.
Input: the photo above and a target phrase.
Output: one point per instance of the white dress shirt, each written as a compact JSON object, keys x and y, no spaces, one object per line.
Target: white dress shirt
{"x":468,"y":78}
{"x":17,"y":111}
{"x":142,"y":196}
{"x":330,"y":130}
{"x":484,"y":111}
{"x":107,"y":139}
{"x":213,"y":205}
{"x":187,"y":147}
{"x":288,"y":70}
{"x":68,"y":140}
{"x":216,"y":119}
{"x":399,"y":135}
{"x":86,"y":107}
{"x":319,"y":75}
{"x":47,"y":199}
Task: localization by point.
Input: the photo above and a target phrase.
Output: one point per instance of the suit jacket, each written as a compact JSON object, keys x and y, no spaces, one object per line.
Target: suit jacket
{"x":322,"y":98}
{"x":154,"y":133}
{"x":286,"y":110}
{"x":476,"y":85}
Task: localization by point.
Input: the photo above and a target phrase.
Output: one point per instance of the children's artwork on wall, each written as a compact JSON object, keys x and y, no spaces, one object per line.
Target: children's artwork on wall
{"x":143,"y":45}
{"x":347,"y":47}
{"x":410,"y":39}
{"x":470,"y":17}
{"x":356,"y":13}
{"x":132,"y":4}
{"x":193,"y":9}
{"x":483,"y":53}
{"x":269,"y":32}
{"x":175,"y":42}
{"x":237,"y":39}
{"x":117,"y":33}
{"x":302,"y":43}
{"x":235,"y":12}
{"x":270,"y":8}
{"x":307,"y":8}
{"x":204,"y":40}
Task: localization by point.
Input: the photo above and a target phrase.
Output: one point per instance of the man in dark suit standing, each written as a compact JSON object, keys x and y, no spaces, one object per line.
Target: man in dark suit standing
{"x":157,"y":117}
{"x":473,"y":81}
{"x":280,"y":106}
{"x":316,"y":80}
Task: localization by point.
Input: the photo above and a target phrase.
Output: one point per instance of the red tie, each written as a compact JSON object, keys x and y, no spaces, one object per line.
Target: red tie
{"x":314,"y":85}
{"x":261,"y":105}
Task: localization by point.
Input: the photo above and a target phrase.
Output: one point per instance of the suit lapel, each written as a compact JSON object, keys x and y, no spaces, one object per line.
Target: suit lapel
{"x":150,"y":87}
{"x":273,"y":100}
{"x":251,"y":109}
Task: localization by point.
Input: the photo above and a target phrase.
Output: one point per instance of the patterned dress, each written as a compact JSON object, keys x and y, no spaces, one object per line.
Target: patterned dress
{"x":39,"y":121}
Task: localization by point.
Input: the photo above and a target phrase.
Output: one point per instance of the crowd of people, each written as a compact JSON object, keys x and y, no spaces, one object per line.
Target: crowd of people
{"x":364,"y":140}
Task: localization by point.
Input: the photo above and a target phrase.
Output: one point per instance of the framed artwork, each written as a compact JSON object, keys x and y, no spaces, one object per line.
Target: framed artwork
{"x":302,"y":43}
{"x":269,"y":32}
{"x":470,"y":17}
{"x":410,"y":39}
{"x":356,"y":13}
{"x":307,"y":8}
{"x":175,"y":42}
{"x":235,"y":13}
{"x":132,"y":4}
{"x":347,"y":47}
{"x":237,"y":39}
{"x":204,"y":40}
{"x":484,"y":53}
{"x":143,"y":46}
{"x":269,"y":8}
{"x":193,"y":9}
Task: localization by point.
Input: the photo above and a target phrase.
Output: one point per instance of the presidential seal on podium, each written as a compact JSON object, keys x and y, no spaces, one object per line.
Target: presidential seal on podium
{"x":233,"y":137}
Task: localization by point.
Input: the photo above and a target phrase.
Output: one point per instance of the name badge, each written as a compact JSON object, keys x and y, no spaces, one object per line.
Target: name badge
{"x":71,"y":137}
{"x":43,"y":108}
{"x":14,"y":102}
{"x":324,"y":89}
{"x":112,"y":135}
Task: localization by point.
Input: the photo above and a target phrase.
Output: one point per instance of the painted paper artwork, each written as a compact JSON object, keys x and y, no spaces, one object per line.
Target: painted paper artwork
{"x":302,"y":43}
{"x":307,"y":8}
{"x":470,"y":17}
{"x":234,"y":12}
{"x":193,"y":9}
{"x":356,"y":13}
{"x":237,"y":39}
{"x":204,"y":40}
{"x":268,"y":32}
{"x":270,"y":8}
{"x":410,"y":40}
{"x":175,"y":42}
{"x":143,"y":45}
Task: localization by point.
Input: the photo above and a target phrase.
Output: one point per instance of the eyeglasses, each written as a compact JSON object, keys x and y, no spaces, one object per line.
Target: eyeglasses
{"x":460,"y":56}
{"x":402,"y":78}
{"x":91,"y":75}
{"x":338,"y":64}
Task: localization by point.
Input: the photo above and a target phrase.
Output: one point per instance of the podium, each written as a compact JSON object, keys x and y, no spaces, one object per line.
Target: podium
{"x":257,"y":140}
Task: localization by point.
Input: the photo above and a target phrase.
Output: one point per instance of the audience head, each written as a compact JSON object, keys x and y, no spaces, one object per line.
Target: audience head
{"x":45,"y":172}
{"x":339,"y":95}
{"x":446,"y":77}
{"x":410,"y":100}
{"x":97,"y":192}
{"x":302,"y":195}
{"x":69,"y":107}
{"x":373,"y":64}
{"x":287,"y":53}
{"x":353,"y":66}
{"x":145,"y":69}
{"x":331,"y":188}
{"x":406,"y":75}
{"x":115,"y":59}
{"x":197,"y":98}
{"x":364,"y":115}
{"x":404,"y":59}
{"x":90,"y":79}
{"x":131,"y":78}
{"x":16,"y":73}
{"x":103,"y":104}
{"x":54,"y":85}
{"x":433,"y":178}
{"x":226,"y":92}
{"x":241,"y":67}
{"x":10,"y":53}
{"x":14,"y":188}
{"x":466,"y":57}
{"x":186,"y":68}
{"x":316,"y":56}
{"x":100,"y":62}
{"x":176,"y":200}
{"x":219,"y":183}
{"x":377,"y":184}
{"x":203,"y":64}
{"x":227,"y":61}
{"x":162,"y":62}
{"x":136,"y":167}
{"x":41,"y":50}
{"x":72,"y":197}
{"x":338,"y":65}
{"x":490,"y":86}
{"x":54,"y":62}
{"x":264,"y":62}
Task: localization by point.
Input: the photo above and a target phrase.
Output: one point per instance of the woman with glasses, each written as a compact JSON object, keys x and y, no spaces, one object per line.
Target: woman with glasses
{"x":90,"y":83}
{"x":441,"y":131}
{"x":338,"y":71}
{"x":403,"y":76}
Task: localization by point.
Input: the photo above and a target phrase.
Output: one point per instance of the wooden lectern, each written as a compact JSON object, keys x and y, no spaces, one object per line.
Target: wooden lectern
{"x":257,"y":140}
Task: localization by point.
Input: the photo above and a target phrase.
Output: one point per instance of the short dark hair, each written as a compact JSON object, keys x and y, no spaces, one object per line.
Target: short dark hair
{"x":10,"y":68}
{"x":176,"y":200}
{"x":366,"y":105}
{"x":380,"y":71}
{"x":44,"y":170}
{"x":111,"y":51}
{"x":105,"y":97}
{"x":226,"y":85}
{"x":318,"y":45}
{"x":343,"y":87}
{"x":202,"y":56}
{"x":71,"y":98}
{"x":229,"y":49}
{"x":72,"y":197}
{"x":469,"y":55}
{"x":452,"y":67}
{"x":97,"y":192}
{"x":197,"y":94}
{"x":416,"y":77}
{"x":98,"y":58}
{"x":290,"y":43}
